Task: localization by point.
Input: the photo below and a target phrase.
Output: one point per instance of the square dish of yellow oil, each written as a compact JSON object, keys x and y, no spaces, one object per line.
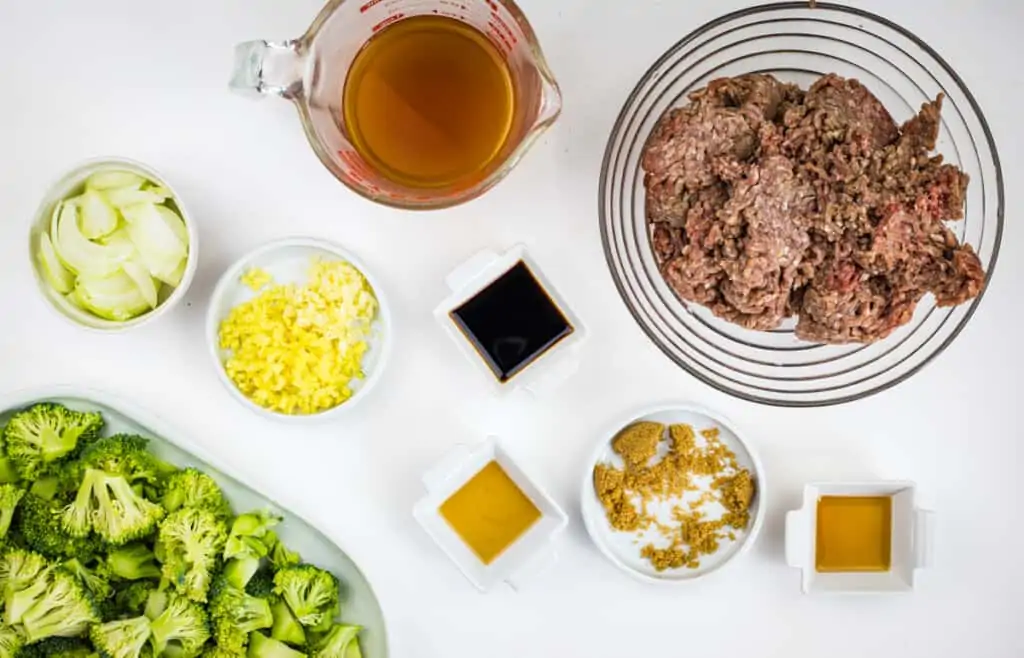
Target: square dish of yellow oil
{"x":854,"y":534}
{"x":490,"y":512}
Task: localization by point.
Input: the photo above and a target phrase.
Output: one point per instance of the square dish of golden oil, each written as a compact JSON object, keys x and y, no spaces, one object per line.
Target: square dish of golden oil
{"x":490,"y":512}
{"x":854,"y":534}
{"x":429,"y":102}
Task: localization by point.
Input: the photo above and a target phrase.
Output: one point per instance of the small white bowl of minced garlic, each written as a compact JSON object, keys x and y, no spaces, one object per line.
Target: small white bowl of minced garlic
{"x":298,"y":330}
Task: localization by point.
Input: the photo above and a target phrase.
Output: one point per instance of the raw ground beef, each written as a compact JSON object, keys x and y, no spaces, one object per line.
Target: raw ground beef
{"x":767,"y":202}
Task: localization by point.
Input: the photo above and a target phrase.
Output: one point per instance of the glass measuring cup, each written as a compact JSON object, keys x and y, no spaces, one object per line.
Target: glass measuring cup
{"x":310,"y":71}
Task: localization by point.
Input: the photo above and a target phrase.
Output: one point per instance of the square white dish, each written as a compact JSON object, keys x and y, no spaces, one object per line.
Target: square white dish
{"x":359,"y":604}
{"x":527,"y":556}
{"x":622,"y":548}
{"x":546,"y":371}
{"x":912,"y":540}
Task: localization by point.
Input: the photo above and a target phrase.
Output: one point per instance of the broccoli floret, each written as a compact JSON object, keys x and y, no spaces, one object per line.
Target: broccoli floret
{"x":126,"y":455}
{"x":189,"y":545}
{"x":96,"y":580}
{"x":133,"y":562}
{"x":10,"y":496}
{"x":45,"y":433}
{"x":107,"y":504}
{"x":39,"y":523}
{"x":239,"y":571}
{"x":8,"y":474}
{"x":250,"y":540}
{"x":280,"y":555}
{"x":337,"y":642}
{"x":10,"y":642}
{"x":126,"y":638}
{"x":21,"y":571}
{"x":286,"y":627}
{"x":131,"y":601}
{"x":58,"y":647}
{"x":217,"y":651}
{"x":261,"y":585}
{"x":193,"y":488}
{"x":61,"y":608}
{"x":248,"y":535}
{"x":157,"y":602}
{"x":182,"y":623}
{"x":310,"y":592}
{"x":235,"y":614}
{"x":261,"y":646}
{"x":46,"y":487}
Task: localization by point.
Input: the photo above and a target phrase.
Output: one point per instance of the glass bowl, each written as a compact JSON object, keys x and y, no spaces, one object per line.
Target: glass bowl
{"x":796,"y":43}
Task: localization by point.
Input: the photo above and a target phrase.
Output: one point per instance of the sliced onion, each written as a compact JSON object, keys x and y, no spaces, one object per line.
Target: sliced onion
{"x":79,"y":254}
{"x":158,"y":243}
{"x":142,"y":279}
{"x":174,"y":280}
{"x":120,"y":238}
{"x":174,"y":221}
{"x":98,"y":217}
{"x":114,"y":297}
{"x":111,"y":249}
{"x":106,"y":180}
{"x":55,"y":274}
{"x":126,"y":196}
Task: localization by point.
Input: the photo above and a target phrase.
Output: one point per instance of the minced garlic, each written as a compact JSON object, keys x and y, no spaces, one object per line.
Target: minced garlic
{"x":296,"y":349}
{"x":256,"y":279}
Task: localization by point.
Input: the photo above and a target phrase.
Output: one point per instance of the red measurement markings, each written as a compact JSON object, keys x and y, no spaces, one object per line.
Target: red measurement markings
{"x":388,"y":21}
{"x":499,"y":38}
{"x":504,"y":28}
{"x":357,"y":167}
{"x":369,"y":5}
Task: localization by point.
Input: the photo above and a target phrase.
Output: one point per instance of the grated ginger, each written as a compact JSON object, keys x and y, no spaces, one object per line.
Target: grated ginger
{"x":298,"y":349}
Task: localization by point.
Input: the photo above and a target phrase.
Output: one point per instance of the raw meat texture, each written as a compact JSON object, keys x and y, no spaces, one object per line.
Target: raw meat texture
{"x":767,"y":202}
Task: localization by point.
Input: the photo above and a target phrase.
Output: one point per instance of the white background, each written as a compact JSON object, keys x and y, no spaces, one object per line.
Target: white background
{"x":147,"y":79}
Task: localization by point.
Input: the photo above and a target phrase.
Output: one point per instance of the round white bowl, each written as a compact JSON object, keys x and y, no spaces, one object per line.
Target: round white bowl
{"x":288,"y":262}
{"x":620,"y":547}
{"x":71,"y":184}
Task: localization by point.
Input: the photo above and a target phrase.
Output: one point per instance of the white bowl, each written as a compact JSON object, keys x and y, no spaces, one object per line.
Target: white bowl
{"x":288,"y":261}
{"x":71,"y":184}
{"x":912,"y":540}
{"x":528,"y":556}
{"x":620,"y":547}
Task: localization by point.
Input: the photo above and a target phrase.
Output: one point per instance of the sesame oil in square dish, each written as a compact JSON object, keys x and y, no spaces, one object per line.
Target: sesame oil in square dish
{"x":854,"y":534}
{"x":490,"y":512}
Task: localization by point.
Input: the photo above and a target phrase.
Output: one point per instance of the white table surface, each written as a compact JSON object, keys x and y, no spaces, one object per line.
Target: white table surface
{"x":148,"y":80}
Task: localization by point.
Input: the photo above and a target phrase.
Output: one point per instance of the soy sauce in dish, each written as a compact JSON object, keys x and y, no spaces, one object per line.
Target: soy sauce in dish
{"x":512,"y":322}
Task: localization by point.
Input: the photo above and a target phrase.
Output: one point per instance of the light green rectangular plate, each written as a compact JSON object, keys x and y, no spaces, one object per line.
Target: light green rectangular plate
{"x":359,"y":603}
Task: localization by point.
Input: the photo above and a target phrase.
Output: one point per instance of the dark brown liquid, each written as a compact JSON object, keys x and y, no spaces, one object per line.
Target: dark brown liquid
{"x":512,"y":322}
{"x":428,"y":102}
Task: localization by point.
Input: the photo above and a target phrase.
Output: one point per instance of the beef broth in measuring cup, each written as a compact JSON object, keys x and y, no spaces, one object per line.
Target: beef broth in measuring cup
{"x":429,"y":102}
{"x":415,"y":104}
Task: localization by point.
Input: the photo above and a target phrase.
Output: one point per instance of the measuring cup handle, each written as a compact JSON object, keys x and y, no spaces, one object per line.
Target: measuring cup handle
{"x":267,"y":67}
